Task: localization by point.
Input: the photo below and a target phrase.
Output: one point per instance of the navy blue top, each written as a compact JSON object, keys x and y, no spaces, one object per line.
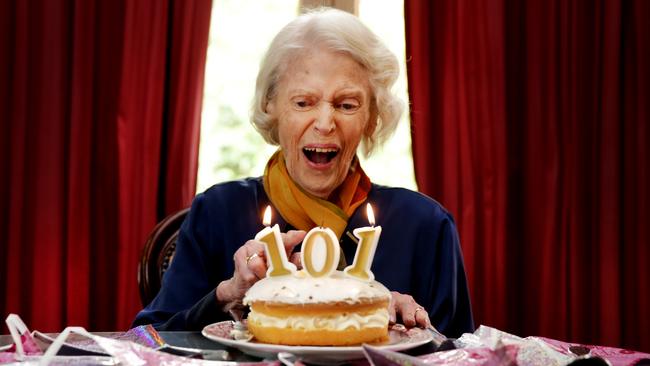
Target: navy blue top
{"x":418,"y":254}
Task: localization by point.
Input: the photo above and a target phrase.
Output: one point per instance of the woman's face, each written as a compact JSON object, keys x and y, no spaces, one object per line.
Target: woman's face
{"x":322,"y":106}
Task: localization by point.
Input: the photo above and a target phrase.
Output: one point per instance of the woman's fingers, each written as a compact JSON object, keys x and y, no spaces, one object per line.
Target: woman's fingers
{"x":250,"y":265}
{"x":256,"y":263}
{"x":295,"y":259}
{"x":392,"y":316}
{"x":411,"y":313}
{"x":422,"y":317}
{"x":407,"y":310}
{"x":292,"y":238}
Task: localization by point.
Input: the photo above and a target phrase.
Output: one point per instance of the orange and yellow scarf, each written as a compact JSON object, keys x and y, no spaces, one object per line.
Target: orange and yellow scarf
{"x":305,"y":211}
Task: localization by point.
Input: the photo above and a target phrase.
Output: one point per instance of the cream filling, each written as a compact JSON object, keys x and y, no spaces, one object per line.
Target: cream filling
{"x":377,"y":319}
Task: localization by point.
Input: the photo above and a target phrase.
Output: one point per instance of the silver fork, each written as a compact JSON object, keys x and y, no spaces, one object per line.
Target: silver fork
{"x":438,"y":337}
{"x":239,"y":330}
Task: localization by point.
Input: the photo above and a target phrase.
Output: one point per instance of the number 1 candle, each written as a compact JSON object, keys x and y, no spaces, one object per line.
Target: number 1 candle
{"x":276,"y":255}
{"x":368,"y":238}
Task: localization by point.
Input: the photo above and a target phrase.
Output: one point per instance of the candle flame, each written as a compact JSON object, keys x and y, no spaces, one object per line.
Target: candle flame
{"x":267,"y":216}
{"x":371,"y":215}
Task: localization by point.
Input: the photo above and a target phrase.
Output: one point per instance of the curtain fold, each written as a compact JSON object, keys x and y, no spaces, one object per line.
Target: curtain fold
{"x":530,"y":125}
{"x":85,"y":93}
{"x":186,"y":76}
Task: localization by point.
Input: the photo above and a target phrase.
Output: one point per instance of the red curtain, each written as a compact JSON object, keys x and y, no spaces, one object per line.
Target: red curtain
{"x":530,"y":123}
{"x":99,"y":109}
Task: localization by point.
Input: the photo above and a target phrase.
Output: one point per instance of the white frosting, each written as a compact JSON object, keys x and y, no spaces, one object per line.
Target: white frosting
{"x":300,"y":288}
{"x":376,"y":319}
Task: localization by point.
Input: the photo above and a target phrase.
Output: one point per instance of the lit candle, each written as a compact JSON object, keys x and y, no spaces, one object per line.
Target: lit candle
{"x":368,"y":238}
{"x":276,"y":256}
{"x":320,"y":252}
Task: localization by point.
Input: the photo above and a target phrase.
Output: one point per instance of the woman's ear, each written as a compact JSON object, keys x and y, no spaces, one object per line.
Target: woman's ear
{"x":270,"y":107}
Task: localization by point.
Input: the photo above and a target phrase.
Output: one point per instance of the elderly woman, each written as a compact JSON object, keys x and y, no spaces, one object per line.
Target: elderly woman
{"x":323,"y":91}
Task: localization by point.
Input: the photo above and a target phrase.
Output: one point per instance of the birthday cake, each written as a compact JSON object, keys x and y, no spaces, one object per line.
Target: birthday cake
{"x":333,"y":310}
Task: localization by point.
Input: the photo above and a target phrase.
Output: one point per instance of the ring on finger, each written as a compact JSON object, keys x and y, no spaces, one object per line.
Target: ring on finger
{"x":250,"y":257}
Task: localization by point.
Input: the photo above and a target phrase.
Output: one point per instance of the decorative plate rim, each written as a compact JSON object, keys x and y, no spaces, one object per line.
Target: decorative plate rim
{"x":408,"y":339}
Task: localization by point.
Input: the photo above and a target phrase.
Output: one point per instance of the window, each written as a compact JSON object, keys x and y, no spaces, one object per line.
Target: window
{"x":230,"y":148}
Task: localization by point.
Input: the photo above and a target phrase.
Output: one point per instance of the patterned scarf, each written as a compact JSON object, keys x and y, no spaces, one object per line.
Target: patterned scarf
{"x":305,"y":211}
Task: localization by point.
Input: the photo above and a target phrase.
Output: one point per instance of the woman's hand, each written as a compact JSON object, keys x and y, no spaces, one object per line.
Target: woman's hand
{"x":409,"y":311}
{"x":250,"y":266}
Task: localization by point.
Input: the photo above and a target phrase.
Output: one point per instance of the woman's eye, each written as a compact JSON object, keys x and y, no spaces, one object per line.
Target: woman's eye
{"x":302,"y":103}
{"x":348,"y":106}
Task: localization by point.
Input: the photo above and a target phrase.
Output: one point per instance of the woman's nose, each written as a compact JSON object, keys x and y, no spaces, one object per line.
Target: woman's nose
{"x":324,"y":123}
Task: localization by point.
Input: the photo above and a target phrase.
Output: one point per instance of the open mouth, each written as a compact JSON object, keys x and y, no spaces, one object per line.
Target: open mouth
{"x":319,"y":155}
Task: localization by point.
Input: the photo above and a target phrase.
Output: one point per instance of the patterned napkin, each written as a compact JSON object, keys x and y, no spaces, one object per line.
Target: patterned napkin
{"x":135,"y":347}
{"x":492,"y":347}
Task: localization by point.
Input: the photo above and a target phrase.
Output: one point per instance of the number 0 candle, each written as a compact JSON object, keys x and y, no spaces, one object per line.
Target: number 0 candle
{"x":368,"y":238}
{"x":276,"y":256}
{"x":320,"y":252}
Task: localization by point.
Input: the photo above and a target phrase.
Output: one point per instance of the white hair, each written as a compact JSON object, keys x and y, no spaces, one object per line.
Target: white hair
{"x":337,"y":31}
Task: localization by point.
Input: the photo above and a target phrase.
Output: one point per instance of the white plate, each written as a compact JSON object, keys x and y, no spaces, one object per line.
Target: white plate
{"x":400,"y":339}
